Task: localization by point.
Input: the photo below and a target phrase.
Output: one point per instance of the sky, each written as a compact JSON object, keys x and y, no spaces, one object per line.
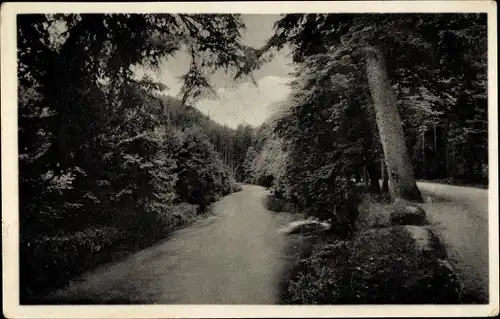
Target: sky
{"x":241,"y":102}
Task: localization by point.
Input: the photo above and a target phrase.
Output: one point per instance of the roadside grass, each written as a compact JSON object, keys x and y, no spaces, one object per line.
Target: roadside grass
{"x":382,"y":263}
{"x":50,"y":263}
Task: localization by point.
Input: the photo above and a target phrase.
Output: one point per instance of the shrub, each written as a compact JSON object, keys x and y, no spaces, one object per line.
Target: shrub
{"x":201,"y":175}
{"x":405,"y":213}
{"x":372,"y":214}
{"x":265,"y":180}
{"x":277,"y":204}
{"x":236,"y":188}
{"x":317,"y":276}
{"x":51,"y":261}
{"x":378,"y":266}
{"x":184,"y":213}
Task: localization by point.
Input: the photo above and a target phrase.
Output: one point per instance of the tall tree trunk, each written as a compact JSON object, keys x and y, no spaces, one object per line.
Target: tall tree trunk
{"x":454,"y":163}
{"x":357,"y":176}
{"x":365,"y":177}
{"x":446,"y":149}
{"x":424,"y":167}
{"x":385,"y":178}
{"x":435,"y":136}
{"x":374,"y":174}
{"x":402,"y":181}
{"x":447,"y":174}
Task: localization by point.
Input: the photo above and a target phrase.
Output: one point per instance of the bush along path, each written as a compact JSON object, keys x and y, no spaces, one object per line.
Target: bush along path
{"x":392,"y":257}
{"x":151,"y":197}
{"x":59,"y":261}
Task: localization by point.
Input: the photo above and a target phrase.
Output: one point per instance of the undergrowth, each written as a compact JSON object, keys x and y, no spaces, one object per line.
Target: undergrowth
{"x":379,"y":264}
{"x":50,"y":262}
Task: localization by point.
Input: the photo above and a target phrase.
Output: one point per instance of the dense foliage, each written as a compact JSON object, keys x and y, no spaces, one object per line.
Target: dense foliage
{"x":329,"y":132}
{"x":393,"y":96}
{"x":380,"y":266}
{"x":106,"y":161}
{"x":437,"y":64}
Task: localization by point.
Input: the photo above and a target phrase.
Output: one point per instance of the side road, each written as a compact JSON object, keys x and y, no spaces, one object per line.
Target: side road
{"x":236,"y":256}
{"x":459,"y":215}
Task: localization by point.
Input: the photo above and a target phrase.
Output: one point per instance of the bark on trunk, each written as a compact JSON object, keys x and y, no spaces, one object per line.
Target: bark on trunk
{"x":385,"y":179}
{"x":402,"y":181}
{"x":424,"y":169}
{"x":447,"y":174}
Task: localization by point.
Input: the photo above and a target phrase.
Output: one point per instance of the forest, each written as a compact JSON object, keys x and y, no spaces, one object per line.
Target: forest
{"x":109,"y":164}
{"x":441,"y":102}
{"x":377,"y":102}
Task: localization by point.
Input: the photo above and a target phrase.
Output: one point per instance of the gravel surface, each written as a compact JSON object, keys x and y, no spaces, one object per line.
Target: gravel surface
{"x":236,"y":256}
{"x":459,"y":215}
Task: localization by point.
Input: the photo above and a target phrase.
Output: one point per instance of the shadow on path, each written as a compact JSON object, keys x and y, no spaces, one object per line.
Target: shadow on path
{"x":236,"y":256}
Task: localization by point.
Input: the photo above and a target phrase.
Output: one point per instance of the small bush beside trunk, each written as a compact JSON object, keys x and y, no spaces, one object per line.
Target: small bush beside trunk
{"x":406,"y":213}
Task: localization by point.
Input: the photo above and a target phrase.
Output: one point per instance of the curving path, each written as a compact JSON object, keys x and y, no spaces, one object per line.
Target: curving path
{"x":234,"y":257}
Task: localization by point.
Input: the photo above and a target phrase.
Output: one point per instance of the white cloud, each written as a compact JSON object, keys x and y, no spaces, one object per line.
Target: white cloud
{"x":246,"y":103}
{"x":241,"y":103}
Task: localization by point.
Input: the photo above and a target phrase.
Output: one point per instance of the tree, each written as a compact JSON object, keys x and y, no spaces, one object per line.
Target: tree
{"x":326,"y":139}
{"x":248,"y":174}
{"x":242,"y":141}
{"x":399,"y":167}
{"x":97,"y":149}
{"x":418,"y":44}
{"x":202,"y":176}
{"x":349,"y":35}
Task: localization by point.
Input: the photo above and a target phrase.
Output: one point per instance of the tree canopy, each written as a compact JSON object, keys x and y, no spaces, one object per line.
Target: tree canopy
{"x":101,"y":150}
{"x":330,"y":126}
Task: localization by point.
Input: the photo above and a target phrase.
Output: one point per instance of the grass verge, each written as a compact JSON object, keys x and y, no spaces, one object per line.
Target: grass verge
{"x":278,"y":205}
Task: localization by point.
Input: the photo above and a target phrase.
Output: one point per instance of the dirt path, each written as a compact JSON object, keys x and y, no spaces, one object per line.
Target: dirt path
{"x":234,"y":257}
{"x":460,"y":216}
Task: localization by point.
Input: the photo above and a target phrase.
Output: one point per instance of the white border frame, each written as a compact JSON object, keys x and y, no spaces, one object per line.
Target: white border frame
{"x":10,"y":231}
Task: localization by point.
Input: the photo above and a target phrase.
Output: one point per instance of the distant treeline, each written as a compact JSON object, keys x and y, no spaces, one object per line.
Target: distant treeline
{"x":231,"y":144}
